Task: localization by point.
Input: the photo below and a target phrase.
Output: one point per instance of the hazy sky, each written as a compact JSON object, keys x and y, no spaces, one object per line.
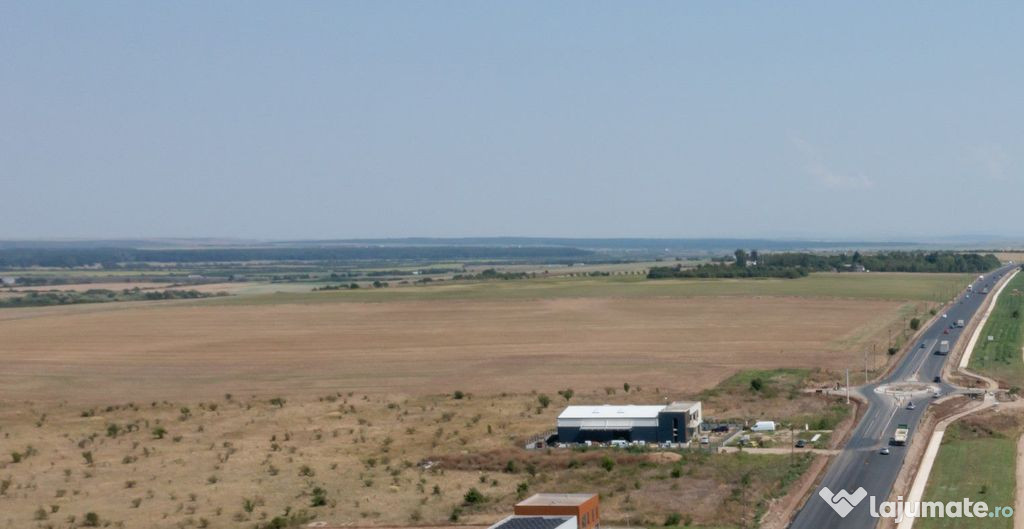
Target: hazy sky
{"x":368,"y":119}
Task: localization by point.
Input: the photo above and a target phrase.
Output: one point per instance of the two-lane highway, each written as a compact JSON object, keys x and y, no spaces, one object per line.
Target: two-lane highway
{"x":861,"y":463}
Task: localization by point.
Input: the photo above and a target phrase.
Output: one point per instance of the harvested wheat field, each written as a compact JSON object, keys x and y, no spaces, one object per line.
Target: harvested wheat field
{"x":193,"y":349}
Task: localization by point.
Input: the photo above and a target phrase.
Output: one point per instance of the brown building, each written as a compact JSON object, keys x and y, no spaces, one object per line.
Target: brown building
{"x":583,"y":506}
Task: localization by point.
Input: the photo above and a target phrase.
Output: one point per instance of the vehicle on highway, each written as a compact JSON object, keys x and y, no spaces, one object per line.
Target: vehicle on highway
{"x":959,"y":323}
{"x":945,"y":315}
{"x":885,"y":451}
{"x":945,"y":331}
{"x":937,"y":380}
{"x":902,"y":434}
{"x":911,"y":406}
{"x":922,"y":346}
{"x":943,"y":347}
{"x":937,"y":394}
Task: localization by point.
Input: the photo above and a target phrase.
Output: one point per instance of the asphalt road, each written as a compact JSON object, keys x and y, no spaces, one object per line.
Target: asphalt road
{"x":861,"y":463}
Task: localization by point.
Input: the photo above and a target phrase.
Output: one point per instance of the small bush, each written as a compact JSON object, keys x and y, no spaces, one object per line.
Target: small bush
{"x":319,"y":497}
{"x":474,"y":496}
{"x":91,"y":519}
{"x":673,"y":519}
{"x":543,"y":400}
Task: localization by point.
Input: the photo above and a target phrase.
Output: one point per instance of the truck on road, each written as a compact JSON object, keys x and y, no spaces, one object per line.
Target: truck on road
{"x":943,"y":348}
{"x":901,"y":435}
{"x":959,"y":323}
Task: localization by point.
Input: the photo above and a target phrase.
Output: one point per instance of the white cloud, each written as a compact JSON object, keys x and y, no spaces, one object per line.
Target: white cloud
{"x":823,"y":173}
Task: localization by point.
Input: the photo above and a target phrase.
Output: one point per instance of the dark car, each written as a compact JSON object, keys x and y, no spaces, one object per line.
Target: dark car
{"x":937,"y":380}
{"x":800,"y":443}
{"x":720,"y":428}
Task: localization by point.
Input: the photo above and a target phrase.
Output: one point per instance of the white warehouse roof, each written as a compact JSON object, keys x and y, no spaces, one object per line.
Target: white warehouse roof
{"x":611,"y":412}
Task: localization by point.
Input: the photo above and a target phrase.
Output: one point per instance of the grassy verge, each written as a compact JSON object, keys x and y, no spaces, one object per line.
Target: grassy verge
{"x":1001,"y":358}
{"x":977,"y":460}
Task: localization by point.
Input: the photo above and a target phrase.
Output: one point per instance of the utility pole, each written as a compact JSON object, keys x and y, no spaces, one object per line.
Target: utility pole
{"x":865,"y":367}
{"x":847,"y":386}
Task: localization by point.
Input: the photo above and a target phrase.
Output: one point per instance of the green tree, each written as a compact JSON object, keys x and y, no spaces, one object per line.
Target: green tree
{"x":741,"y":258}
{"x":915,"y":324}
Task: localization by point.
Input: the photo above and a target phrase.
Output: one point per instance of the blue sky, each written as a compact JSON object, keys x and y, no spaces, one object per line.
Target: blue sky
{"x":375,"y":119}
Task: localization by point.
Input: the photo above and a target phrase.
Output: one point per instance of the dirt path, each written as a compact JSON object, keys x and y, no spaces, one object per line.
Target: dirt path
{"x":778,"y":451}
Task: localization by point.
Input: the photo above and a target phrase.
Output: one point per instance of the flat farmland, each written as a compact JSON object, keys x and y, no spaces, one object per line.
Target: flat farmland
{"x":683,"y":343}
{"x":884,"y":286}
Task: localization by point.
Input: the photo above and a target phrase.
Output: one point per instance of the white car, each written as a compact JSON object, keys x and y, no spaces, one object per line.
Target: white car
{"x":885,"y":451}
{"x":911,"y":405}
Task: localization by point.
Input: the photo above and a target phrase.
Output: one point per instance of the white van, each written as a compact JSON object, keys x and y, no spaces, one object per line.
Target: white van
{"x":763,"y":426}
{"x":619,"y":443}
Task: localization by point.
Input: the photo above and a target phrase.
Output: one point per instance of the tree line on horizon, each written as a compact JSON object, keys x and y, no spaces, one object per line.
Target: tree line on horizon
{"x":792,"y":265}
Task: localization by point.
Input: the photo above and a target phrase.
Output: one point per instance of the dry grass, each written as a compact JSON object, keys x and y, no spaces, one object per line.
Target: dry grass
{"x":364,"y":451}
{"x":175,"y":350}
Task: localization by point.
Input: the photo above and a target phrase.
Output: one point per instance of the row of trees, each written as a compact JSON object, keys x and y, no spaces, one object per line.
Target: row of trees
{"x":799,"y":264}
{"x":42,"y":299}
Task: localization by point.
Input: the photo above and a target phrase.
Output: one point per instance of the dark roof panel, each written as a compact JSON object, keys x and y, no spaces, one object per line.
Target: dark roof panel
{"x":532,"y":522}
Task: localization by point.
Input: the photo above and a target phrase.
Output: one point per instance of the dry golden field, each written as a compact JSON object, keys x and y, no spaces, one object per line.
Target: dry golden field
{"x":192,"y":349}
{"x":367,"y":387}
{"x":240,"y":462}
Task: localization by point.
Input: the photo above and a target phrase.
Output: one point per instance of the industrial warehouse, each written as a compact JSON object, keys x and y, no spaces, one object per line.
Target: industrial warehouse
{"x":674,"y":423}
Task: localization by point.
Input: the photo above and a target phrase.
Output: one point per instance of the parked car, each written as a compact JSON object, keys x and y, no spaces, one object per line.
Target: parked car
{"x":720,"y":428}
{"x":705,"y":440}
{"x":800,"y":443}
{"x":937,"y":380}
